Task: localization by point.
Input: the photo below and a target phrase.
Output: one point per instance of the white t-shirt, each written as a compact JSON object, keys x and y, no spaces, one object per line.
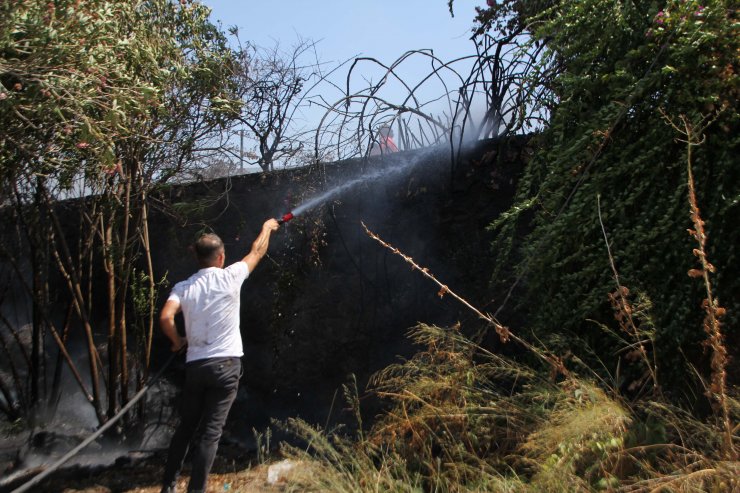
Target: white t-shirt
{"x":210,"y":300}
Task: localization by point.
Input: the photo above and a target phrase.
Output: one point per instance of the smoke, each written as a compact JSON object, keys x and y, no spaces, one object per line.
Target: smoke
{"x":66,"y":425}
{"x":394,"y":167}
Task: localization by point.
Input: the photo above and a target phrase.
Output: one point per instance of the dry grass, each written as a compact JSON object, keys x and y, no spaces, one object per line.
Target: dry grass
{"x":464,"y":420}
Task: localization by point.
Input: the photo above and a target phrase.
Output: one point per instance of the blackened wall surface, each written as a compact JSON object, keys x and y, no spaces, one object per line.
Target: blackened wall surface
{"x":329,"y":301}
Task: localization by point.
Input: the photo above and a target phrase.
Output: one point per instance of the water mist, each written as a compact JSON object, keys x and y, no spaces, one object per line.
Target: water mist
{"x":400,"y":164}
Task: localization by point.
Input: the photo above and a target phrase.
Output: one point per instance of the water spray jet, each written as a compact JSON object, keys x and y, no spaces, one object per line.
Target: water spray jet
{"x":401,"y":165}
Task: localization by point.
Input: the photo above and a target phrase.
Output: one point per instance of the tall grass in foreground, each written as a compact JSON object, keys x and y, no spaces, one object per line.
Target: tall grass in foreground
{"x":464,"y":419}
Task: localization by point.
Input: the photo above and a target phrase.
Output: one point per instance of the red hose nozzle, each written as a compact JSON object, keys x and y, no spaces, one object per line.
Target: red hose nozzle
{"x":286,"y":217}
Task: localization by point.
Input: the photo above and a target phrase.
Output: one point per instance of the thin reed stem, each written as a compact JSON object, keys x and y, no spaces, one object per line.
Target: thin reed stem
{"x":625,"y":307}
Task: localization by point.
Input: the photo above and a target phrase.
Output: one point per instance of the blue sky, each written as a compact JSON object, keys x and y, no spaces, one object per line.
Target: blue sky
{"x":381,"y":28}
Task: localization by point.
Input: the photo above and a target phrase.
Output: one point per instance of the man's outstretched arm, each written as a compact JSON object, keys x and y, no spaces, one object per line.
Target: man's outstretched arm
{"x":259,"y":247}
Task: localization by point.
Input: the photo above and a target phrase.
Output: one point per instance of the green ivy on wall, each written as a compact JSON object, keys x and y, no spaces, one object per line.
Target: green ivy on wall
{"x":623,"y":69}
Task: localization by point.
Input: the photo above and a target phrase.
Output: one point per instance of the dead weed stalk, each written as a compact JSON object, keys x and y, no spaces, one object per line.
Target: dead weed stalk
{"x":556,"y":363}
{"x":693,"y":135}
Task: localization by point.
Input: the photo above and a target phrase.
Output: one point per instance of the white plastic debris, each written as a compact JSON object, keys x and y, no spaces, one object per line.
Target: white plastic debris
{"x":280,"y":471}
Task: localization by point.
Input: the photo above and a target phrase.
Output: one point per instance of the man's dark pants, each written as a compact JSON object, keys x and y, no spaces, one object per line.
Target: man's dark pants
{"x":210,"y":389}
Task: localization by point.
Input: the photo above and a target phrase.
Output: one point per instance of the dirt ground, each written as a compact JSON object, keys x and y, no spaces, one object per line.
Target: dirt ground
{"x":251,"y":480}
{"x":232,"y":472}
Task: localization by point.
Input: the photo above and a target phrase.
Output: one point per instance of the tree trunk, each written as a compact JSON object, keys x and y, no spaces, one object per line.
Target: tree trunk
{"x":73,"y":285}
{"x":112,"y":341}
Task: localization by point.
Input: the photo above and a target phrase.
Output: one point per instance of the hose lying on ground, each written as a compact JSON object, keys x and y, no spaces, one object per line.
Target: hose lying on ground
{"x":94,"y":436}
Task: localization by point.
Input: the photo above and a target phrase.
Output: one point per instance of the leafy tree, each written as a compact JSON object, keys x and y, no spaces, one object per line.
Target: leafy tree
{"x":105,"y":99}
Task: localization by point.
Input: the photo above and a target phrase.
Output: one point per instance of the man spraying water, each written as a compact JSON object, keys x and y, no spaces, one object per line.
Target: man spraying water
{"x":209,"y":301}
